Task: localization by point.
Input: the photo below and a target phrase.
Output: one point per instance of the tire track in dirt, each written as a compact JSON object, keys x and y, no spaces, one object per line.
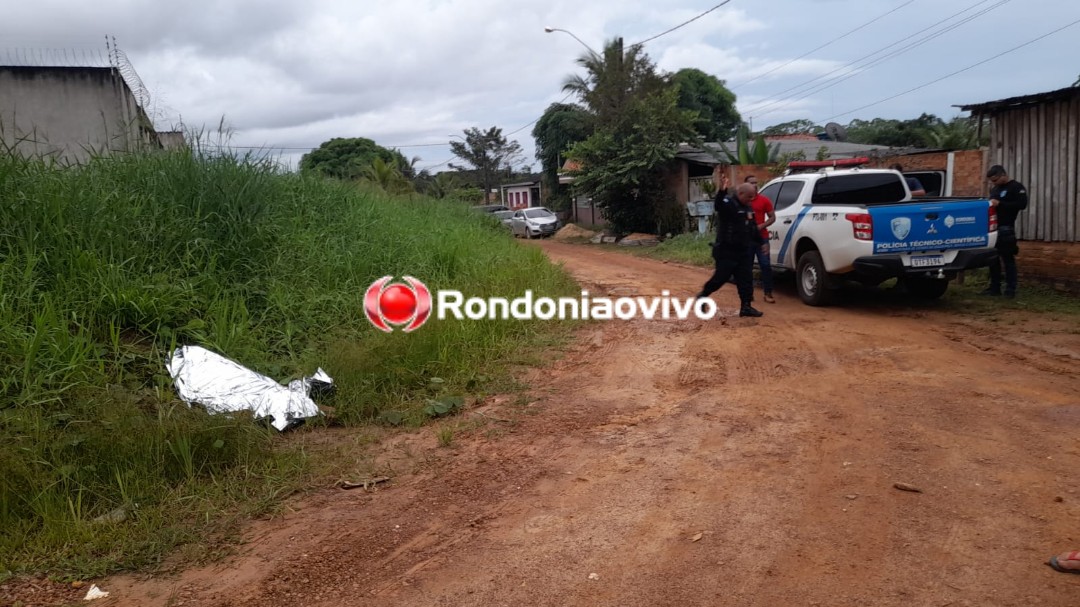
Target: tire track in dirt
{"x":776,"y":439}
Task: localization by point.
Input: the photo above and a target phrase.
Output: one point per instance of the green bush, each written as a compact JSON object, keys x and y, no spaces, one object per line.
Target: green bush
{"x":106,"y":268}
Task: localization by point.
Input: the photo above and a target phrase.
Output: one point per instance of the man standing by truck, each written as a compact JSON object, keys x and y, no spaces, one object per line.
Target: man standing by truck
{"x":1009,"y":197}
{"x":764,"y":216}
{"x":736,"y":234}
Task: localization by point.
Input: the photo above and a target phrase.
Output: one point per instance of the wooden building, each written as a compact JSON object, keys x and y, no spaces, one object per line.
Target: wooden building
{"x":1037,"y":139}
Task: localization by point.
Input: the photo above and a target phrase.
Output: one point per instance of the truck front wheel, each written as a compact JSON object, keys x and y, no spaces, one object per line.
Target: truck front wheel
{"x":810,"y":279}
{"x":926,"y":288}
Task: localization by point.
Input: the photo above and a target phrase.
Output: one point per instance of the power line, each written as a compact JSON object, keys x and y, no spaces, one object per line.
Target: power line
{"x":309,"y":148}
{"x":632,"y":45}
{"x":856,"y":70}
{"x":801,"y":89}
{"x":514,"y":132}
{"x":434,"y":166}
{"x":682,"y":24}
{"x":960,"y":71}
{"x":570,"y":94}
{"x":838,"y":38}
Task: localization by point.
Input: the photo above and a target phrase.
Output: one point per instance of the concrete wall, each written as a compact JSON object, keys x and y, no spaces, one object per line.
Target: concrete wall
{"x":69,"y":112}
{"x":172,"y":140}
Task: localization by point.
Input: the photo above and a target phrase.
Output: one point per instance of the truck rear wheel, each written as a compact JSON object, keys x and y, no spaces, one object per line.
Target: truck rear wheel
{"x":810,"y":280}
{"x":926,"y":288}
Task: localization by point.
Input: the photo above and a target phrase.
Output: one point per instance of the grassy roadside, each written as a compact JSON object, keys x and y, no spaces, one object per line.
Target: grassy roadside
{"x":105,"y":269}
{"x":1032,"y":297}
{"x":691,"y":249}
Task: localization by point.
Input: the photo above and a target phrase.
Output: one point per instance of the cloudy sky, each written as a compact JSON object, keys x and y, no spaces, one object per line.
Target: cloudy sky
{"x":286,"y":76}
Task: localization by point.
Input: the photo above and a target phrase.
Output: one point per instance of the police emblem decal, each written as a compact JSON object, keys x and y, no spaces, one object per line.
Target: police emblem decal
{"x":901,"y":227}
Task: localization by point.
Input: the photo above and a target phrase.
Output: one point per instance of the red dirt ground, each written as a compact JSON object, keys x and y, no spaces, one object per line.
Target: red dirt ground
{"x":733,"y":462}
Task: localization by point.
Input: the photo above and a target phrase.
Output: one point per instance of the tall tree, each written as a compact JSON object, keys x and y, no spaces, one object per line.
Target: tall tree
{"x":715,"y":105}
{"x":638,"y":128}
{"x":561,"y":126}
{"x":894,"y":133}
{"x":793,"y":127}
{"x":957,"y":134}
{"x":613,"y":79}
{"x":486,"y":152}
{"x":348,"y":158}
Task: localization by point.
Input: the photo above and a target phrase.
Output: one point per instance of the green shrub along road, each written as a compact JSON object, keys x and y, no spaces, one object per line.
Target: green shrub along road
{"x":106,"y":268}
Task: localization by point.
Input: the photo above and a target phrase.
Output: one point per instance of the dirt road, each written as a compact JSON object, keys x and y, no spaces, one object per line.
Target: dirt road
{"x":737,"y":462}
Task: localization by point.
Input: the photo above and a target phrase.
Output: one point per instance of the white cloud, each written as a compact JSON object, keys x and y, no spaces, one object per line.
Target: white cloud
{"x":410,"y":72}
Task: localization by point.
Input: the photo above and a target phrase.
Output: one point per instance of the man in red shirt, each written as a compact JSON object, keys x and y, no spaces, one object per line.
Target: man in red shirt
{"x":764,"y":215}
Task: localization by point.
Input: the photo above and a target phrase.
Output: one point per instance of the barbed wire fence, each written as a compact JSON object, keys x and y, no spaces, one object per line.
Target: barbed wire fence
{"x":118,"y":59}
{"x":112,"y":56}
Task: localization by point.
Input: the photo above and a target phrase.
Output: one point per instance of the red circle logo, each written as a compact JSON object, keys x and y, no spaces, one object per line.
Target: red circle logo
{"x":397,"y":304}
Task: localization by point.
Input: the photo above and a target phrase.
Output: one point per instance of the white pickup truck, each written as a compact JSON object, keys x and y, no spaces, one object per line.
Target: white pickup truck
{"x":863,"y":225}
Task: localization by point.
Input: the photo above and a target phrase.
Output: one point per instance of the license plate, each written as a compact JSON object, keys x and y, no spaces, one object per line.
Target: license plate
{"x":926,"y":261}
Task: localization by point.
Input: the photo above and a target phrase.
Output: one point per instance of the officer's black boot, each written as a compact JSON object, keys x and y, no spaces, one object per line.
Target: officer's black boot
{"x":748,"y":310}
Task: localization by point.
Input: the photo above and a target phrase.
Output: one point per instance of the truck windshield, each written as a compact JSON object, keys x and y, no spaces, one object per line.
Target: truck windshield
{"x":868,"y":188}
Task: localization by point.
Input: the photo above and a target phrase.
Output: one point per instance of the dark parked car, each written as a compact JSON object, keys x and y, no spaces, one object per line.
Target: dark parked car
{"x":491,"y":208}
{"x":504,"y":217}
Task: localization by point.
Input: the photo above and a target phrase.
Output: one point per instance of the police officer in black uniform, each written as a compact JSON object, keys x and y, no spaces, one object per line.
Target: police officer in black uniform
{"x":737,"y":235}
{"x":1010,"y":197}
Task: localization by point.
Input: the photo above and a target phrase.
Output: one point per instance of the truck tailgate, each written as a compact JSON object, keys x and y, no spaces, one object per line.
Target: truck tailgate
{"x":938,"y":226}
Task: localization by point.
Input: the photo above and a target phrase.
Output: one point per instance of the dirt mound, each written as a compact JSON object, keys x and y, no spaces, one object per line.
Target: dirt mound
{"x":572,"y":231}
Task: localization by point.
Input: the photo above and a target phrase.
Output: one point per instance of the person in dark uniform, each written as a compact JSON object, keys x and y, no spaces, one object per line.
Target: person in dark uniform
{"x":1009,"y":197}
{"x":913,"y":184}
{"x":733,"y":251}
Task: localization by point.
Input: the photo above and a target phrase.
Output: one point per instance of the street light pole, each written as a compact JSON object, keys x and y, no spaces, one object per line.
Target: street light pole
{"x":550,"y":29}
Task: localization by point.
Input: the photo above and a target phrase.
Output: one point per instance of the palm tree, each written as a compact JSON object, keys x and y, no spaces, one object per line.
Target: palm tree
{"x":387,"y":176}
{"x":957,"y":134}
{"x":406,"y":166}
{"x":444,"y":185}
{"x":612,"y":79}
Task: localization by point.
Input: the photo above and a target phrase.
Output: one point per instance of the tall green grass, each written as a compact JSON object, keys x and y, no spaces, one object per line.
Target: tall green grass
{"x":106,"y":268}
{"x":690,"y":248}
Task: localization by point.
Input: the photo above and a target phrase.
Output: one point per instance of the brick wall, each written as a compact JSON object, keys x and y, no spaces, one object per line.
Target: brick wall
{"x":1053,"y":263}
{"x":738,"y":173}
{"x":969,"y":169}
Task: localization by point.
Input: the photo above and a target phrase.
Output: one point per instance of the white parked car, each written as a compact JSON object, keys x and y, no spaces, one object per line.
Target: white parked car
{"x":534,"y":222}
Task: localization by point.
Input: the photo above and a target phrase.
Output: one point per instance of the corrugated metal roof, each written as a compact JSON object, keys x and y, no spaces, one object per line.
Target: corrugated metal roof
{"x":1016,"y":102}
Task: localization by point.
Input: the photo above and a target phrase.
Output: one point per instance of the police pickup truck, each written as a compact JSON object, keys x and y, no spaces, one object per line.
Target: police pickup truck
{"x":835,"y":225}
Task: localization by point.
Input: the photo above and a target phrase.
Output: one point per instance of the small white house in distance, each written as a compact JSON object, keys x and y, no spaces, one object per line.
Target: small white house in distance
{"x":521,"y":195}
